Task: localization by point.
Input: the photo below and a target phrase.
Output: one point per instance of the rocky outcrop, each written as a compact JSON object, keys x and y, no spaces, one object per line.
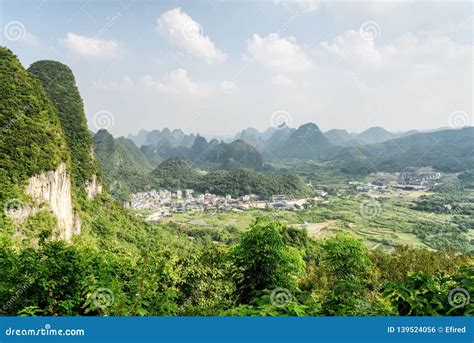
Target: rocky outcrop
{"x":52,"y":190}
{"x":93,"y":187}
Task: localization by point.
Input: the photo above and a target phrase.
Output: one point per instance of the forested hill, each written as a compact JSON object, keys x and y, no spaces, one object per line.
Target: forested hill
{"x":214,"y":155}
{"x":31,"y":140}
{"x":124,"y":166}
{"x":58,"y":81}
{"x":176,"y":173}
{"x":447,"y":150}
{"x":305,"y":142}
{"x":40,"y":199}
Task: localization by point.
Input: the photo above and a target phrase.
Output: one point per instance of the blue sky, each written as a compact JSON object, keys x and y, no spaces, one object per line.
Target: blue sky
{"x":216,"y":67}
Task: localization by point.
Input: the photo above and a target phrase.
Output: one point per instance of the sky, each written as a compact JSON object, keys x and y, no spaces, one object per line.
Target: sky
{"x":217,"y":67}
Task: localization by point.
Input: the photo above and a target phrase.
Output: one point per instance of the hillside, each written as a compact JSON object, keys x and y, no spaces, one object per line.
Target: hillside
{"x":31,"y":140}
{"x":175,"y":173}
{"x":66,"y":254}
{"x":124,"y":166}
{"x":41,"y":201}
{"x":237,"y":154}
{"x":151,"y":154}
{"x":448,"y":150}
{"x":239,"y":182}
{"x":306,"y":142}
{"x":58,"y":81}
{"x":250,"y":135}
{"x":198,"y":149}
{"x":374,"y":135}
{"x":340,"y":137}
{"x":140,"y":138}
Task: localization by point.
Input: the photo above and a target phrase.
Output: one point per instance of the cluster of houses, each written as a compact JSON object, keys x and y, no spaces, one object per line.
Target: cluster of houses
{"x":416,"y":180}
{"x":365,"y":187}
{"x":163,"y":203}
{"x":403,"y":180}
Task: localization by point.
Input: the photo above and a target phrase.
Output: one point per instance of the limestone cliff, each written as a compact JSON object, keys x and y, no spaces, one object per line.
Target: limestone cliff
{"x":93,"y":187}
{"x":52,"y":191}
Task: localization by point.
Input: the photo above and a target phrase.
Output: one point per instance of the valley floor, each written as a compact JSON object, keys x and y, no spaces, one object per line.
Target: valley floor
{"x":382,"y":221}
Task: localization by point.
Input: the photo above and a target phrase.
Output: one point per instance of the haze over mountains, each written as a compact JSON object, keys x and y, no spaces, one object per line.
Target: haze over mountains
{"x":272,"y":137}
{"x":305,"y":142}
{"x":134,"y":163}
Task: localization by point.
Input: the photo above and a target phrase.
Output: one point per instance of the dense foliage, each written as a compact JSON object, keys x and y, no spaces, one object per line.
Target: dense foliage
{"x":245,"y":181}
{"x":31,"y":139}
{"x":124,"y":166}
{"x":176,"y":173}
{"x":272,"y":271}
{"x":58,"y":81}
{"x":262,"y":261}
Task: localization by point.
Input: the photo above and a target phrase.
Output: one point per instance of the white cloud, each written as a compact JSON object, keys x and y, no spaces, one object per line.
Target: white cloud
{"x":125,"y":84}
{"x":228,"y":87}
{"x":351,"y":46}
{"x":413,"y":74}
{"x":301,"y":5}
{"x":283,"y":81}
{"x":176,"y":83}
{"x":280,"y":54}
{"x":91,"y":47}
{"x":408,"y":50}
{"x":308,"y":5}
{"x":31,"y":40}
{"x":186,"y":34}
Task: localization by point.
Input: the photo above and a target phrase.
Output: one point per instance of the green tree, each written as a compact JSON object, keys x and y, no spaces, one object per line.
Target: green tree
{"x":346,"y":258}
{"x":263,"y":261}
{"x":347,"y":264}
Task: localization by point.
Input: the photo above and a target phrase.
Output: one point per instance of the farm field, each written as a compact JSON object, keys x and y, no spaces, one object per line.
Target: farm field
{"x":382,"y":222}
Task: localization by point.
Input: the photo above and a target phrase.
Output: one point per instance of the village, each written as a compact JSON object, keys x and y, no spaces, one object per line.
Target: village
{"x":409,"y":181}
{"x":157,"y":204}
{"x":163,"y":203}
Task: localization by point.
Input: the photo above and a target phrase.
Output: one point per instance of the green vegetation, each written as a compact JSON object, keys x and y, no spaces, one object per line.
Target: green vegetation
{"x":262,"y":261}
{"x":415,"y":150}
{"x":245,"y":181}
{"x":124,"y":166}
{"x":58,"y":81}
{"x":228,"y":156}
{"x":305,"y":142}
{"x":31,"y":139}
{"x":176,"y":173}
{"x":264,"y":274}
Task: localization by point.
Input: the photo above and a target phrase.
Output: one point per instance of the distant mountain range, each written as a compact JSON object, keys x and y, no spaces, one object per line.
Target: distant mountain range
{"x":279,"y":142}
{"x":446,"y":150}
{"x":250,"y":148}
{"x":165,"y":144}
